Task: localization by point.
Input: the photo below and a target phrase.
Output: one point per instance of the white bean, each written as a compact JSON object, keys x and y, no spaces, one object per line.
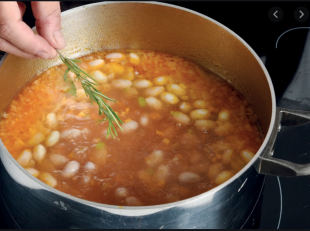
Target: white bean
{"x":52,"y":138}
{"x":154,"y":103}
{"x":70,"y":169}
{"x":80,"y":94}
{"x":134,"y":58}
{"x":130,"y":74}
{"x":162,"y":172}
{"x":51,"y":120}
{"x":200,"y":104}
{"x":33,"y":172}
{"x":114,"y":56}
{"x":31,"y":163}
{"x":25,"y":158}
{"x":48,"y":179}
{"x":223,"y":129}
{"x":39,"y":152}
{"x":72,"y":133}
{"x":154,"y":91}
{"x":89,"y":57}
{"x":114,"y":67}
{"x":222,"y":177}
{"x":205,"y":125}
{"x":58,"y":160}
{"x":185,"y":107}
{"x":214,"y":170}
{"x":130,"y":126}
{"x":38,"y":138}
{"x":96,"y":63}
{"x":90,"y":166}
{"x":99,"y":156}
{"x":121,"y":192}
{"x":85,"y":179}
{"x":223,"y":115}
{"x":161,"y":80}
{"x":132,"y":92}
{"x":104,"y":133}
{"x":200,"y":114}
{"x":247,"y":155}
{"x":99,"y":76}
{"x":71,"y":74}
{"x":121,"y":83}
{"x":227,"y":156}
{"x":144,"y":120}
{"x":189,"y":177}
{"x":155,"y":158}
{"x":176,"y":89}
{"x":169,"y":98}
{"x":180,"y":117}
{"x":111,"y":76}
{"x":133,"y":201}
{"x":237,"y":164}
{"x":142,"y":83}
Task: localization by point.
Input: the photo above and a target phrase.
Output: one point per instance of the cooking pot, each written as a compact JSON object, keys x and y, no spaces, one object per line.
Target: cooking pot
{"x":170,"y":29}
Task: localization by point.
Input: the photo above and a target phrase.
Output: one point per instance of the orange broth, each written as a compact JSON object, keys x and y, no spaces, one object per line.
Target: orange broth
{"x":186,"y":130}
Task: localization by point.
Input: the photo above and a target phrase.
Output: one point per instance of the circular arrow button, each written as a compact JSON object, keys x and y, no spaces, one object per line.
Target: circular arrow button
{"x":301,"y":14}
{"x":275,"y":14}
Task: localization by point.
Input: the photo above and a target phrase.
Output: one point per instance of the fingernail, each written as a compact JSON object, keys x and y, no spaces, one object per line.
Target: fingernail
{"x":43,"y":55}
{"x":59,"y":39}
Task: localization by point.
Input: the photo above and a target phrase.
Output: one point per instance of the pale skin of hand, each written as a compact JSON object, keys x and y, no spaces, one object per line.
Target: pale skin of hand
{"x":17,"y":38}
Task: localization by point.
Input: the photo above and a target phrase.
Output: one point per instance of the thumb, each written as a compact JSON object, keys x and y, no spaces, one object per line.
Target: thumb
{"x":48,"y":22}
{"x":22,"y":8}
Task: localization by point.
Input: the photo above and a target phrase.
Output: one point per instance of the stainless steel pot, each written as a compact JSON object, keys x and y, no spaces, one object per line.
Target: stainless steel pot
{"x":178,"y":31}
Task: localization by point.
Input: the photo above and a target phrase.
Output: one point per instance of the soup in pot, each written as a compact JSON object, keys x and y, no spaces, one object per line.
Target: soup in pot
{"x":185,"y":130}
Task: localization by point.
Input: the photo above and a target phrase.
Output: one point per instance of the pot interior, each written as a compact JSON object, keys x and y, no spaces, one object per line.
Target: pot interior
{"x":155,"y":27}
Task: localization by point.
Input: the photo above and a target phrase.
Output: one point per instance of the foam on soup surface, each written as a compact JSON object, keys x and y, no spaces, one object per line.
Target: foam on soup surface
{"x":185,"y":130}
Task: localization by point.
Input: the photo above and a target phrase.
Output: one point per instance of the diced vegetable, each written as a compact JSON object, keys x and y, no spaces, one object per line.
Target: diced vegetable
{"x":141,"y":101}
{"x":100,"y":145}
{"x":166,"y":141}
{"x":160,"y":133}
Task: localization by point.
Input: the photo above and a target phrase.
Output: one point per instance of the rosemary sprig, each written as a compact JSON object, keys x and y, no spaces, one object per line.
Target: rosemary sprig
{"x":88,"y":84}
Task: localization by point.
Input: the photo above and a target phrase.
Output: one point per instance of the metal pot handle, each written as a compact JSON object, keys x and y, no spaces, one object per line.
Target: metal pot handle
{"x":266,"y":164}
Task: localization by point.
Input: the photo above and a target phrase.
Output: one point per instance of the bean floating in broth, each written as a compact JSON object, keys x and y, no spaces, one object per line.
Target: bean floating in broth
{"x":185,"y":130}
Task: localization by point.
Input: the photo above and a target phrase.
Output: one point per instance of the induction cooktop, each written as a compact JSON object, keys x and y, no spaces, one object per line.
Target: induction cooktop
{"x":278,"y":31}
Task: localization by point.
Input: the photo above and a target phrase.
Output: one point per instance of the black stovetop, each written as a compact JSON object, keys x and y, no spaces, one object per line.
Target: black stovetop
{"x":284,"y":202}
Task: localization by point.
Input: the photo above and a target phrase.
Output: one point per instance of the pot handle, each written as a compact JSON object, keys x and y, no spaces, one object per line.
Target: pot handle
{"x":268,"y":165}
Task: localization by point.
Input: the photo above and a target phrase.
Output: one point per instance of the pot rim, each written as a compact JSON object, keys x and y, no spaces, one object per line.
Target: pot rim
{"x":185,"y":201}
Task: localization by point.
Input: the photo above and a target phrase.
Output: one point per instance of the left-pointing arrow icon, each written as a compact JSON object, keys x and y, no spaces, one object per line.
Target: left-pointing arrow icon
{"x":275,"y":14}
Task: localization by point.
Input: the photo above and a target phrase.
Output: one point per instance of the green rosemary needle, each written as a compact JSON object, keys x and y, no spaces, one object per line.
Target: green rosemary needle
{"x":88,"y":84}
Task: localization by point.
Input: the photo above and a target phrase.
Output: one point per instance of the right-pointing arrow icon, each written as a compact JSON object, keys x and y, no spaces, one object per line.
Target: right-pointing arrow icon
{"x":301,"y":14}
{"x":275,"y":14}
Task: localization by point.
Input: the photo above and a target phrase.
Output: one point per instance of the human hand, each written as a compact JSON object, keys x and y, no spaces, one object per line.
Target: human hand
{"x":17,"y":38}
